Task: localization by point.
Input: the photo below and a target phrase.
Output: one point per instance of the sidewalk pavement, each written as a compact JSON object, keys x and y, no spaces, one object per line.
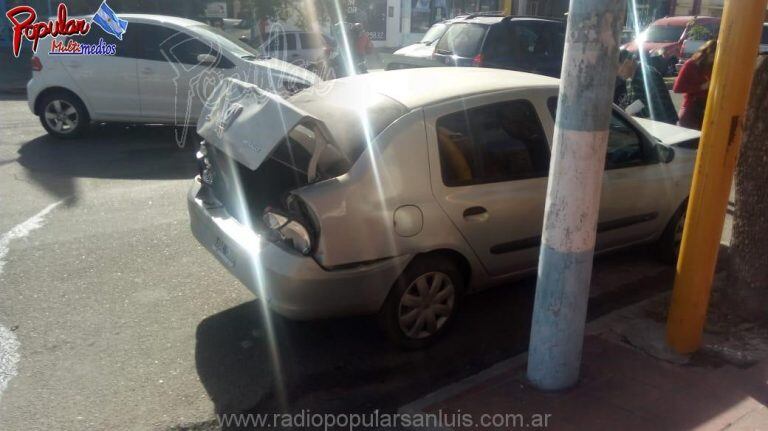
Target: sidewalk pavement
{"x":620,"y":388}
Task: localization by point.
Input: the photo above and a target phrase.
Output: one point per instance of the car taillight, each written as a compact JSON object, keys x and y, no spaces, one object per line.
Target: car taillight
{"x":204,"y":169}
{"x":37,"y":65}
{"x":477,"y":60}
{"x":288,"y":231}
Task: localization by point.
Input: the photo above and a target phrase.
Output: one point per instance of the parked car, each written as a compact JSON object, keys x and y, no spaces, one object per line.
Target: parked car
{"x":517,"y":43}
{"x":420,"y":54}
{"x":162,"y":70}
{"x":764,"y":39}
{"x":385,"y":195}
{"x":298,"y":47}
{"x":664,"y":38}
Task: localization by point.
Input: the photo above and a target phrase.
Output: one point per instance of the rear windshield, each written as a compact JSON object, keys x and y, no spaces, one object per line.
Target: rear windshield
{"x":664,"y":33}
{"x":462,"y":39}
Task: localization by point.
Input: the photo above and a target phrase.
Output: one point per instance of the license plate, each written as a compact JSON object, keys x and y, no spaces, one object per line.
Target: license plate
{"x":224,"y":251}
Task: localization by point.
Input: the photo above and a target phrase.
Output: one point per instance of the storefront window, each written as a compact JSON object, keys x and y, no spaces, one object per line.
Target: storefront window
{"x":425,"y":13}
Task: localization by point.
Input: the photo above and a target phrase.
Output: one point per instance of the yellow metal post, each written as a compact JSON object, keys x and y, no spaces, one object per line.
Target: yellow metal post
{"x":715,"y":163}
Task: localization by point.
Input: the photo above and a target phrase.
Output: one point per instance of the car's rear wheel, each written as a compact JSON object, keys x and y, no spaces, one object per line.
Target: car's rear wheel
{"x":63,"y":115}
{"x":422,"y":302}
{"x":672,"y":238}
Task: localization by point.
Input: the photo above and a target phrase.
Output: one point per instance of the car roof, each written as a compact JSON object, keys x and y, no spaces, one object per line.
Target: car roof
{"x":495,"y":19}
{"x":425,"y":86}
{"x":680,"y":21}
{"x":158,"y":19}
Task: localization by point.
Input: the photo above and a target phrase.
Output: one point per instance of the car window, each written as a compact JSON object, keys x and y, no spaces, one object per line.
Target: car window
{"x":434,"y":33}
{"x":174,"y":46}
{"x":764,"y":36}
{"x":311,"y":41}
{"x":537,"y":40}
{"x":497,"y":45}
{"x":498,"y":142}
{"x":463,"y":40}
{"x":282,"y":42}
{"x":625,"y":145}
{"x":125,"y":48}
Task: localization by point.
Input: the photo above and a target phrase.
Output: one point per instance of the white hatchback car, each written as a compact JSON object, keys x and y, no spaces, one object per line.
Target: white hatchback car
{"x":162,"y":71}
{"x":397,"y":192}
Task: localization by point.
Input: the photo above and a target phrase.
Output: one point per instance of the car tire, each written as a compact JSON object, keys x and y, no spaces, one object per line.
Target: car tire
{"x":422,"y":302}
{"x":668,"y":247}
{"x":64,"y":115}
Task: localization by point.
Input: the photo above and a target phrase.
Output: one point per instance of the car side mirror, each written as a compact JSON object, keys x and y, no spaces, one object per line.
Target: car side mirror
{"x":206,"y":59}
{"x":666,"y":154}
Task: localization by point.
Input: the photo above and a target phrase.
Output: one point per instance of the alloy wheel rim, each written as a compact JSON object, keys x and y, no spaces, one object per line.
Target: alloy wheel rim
{"x":61,"y":116}
{"x":426,"y":305}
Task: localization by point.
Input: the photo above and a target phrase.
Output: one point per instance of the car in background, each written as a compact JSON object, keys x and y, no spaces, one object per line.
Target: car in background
{"x":383,"y":195}
{"x":420,"y":54}
{"x":664,"y":39}
{"x":764,"y":39}
{"x":161,"y":72}
{"x":525,"y":44}
{"x":298,"y":47}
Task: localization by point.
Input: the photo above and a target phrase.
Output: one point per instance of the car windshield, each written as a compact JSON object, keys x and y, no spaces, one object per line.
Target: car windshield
{"x":462,"y":40}
{"x":225,"y":41}
{"x":434,"y":33}
{"x":664,"y":33}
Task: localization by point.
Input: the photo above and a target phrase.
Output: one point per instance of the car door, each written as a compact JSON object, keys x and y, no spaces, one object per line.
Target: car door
{"x":489,"y":158}
{"x":173,"y":82}
{"x":638,"y":192}
{"x":108,"y":83}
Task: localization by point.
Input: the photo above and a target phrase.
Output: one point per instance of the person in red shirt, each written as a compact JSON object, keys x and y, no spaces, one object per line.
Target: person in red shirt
{"x":693,"y":82}
{"x":363,"y":47}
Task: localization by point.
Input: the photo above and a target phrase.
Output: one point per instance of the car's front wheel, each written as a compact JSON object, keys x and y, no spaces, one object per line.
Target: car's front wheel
{"x":63,"y":115}
{"x":422,"y":302}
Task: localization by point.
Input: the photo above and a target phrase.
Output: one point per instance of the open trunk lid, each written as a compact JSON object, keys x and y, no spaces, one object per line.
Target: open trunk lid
{"x":248,"y":124}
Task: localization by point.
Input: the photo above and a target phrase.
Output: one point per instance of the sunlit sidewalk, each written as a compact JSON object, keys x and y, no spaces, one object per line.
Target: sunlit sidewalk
{"x":620,"y":388}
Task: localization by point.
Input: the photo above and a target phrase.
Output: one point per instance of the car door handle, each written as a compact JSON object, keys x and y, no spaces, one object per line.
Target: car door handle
{"x":476,"y":213}
{"x":147,"y":71}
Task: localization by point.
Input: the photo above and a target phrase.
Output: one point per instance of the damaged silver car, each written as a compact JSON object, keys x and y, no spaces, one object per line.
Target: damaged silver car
{"x":397,"y":193}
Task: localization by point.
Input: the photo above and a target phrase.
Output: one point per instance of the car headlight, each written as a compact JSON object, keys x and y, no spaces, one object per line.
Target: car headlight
{"x":289,"y":231}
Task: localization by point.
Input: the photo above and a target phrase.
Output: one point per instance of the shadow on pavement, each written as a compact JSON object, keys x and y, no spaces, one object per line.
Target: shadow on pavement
{"x":346,"y":365}
{"x":107,"y":151}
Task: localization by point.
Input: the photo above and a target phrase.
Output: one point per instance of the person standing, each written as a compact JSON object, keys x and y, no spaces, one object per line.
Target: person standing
{"x":643,"y":88}
{"x":693,"y":83}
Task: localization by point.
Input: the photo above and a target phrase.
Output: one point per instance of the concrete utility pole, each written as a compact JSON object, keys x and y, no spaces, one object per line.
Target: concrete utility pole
{"x":573,"y":194}
{"x":716,"y":160}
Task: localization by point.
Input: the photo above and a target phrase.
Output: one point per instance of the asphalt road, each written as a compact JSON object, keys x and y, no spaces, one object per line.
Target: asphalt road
{"x":112,"y":317}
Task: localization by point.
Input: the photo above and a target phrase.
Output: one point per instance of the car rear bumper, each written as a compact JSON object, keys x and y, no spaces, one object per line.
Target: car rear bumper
{"x":293,"y":285}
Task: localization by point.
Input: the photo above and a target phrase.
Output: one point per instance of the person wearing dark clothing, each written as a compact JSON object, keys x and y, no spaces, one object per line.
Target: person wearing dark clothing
{"x":644,"y":90}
